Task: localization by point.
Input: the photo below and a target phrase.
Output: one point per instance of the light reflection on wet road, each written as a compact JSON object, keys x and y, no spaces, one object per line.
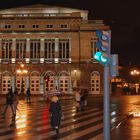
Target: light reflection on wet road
{"x":129,"y":129}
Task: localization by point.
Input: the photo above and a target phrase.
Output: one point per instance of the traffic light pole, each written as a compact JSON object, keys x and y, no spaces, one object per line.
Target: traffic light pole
{"x":106,"y":108}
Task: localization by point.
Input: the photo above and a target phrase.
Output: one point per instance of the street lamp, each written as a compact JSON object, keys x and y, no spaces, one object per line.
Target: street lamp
{"x":22,"y":72}
{"x":134,"y":72}
{"x":75,"y":76}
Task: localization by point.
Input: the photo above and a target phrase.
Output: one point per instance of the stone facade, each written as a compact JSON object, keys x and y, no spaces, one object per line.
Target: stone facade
{"x":54,"y":41}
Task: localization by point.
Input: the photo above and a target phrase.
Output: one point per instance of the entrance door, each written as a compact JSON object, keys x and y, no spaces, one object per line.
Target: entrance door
{"x":35,"y":85}
{"x":6,"y":84}
{"x":95,"y":83}
{"x":50,"y":85}
{"x":20,"y":83}
{"x":63,"y":84}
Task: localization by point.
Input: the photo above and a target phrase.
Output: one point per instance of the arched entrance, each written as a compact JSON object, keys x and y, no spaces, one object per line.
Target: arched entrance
{"x":51,"y":83}
{"x":21,"y":83}
{"x":35,"y":82}
{"x":6,"y":82}
{"x":64,"y":82}
{"x":95,"y":82}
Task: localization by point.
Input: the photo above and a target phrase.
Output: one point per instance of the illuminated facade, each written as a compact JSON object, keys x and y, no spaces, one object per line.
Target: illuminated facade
{"x":54,"y":41}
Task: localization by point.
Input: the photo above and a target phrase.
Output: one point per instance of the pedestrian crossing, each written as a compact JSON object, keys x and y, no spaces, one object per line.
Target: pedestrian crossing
{"x":33,"y":123}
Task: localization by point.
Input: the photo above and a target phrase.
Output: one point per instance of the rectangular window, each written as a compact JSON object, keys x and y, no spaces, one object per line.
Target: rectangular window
{"x":20,"y":48}
{"x":64,"y":48}
{"x":35,"y":48}
{"x":6,"y":48}
{"x":64,"y":26}
{"x":7,"y":26}
{"x":49,"y":48}
{"x":35,"y":26}
{"x":93,"y":48}
{"x":21,"y":26}
{"x":49,"y":26}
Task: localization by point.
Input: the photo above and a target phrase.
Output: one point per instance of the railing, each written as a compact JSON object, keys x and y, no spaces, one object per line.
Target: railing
{"x":39,"y":15}
{"x":34,"y":61}
{"x":92,"y":22}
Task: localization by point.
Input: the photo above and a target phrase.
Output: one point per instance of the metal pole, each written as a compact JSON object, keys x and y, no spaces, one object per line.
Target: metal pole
{"x":106,"y":117}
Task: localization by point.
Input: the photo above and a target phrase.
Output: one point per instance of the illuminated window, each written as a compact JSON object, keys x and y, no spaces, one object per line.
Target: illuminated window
{"x":49,"y":48}
{"x":35,"y":48}
{"x":6,"y":48}
{"x":64,"y":48}
{"x":20,"y":48}
{"x":93,"y":48}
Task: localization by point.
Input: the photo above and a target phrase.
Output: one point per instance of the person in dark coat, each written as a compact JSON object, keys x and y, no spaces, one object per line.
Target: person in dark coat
{"x":9,"y":102}
{"x":16,"y":100}
{"x":55,"y":110}
{"x":28,"y":94}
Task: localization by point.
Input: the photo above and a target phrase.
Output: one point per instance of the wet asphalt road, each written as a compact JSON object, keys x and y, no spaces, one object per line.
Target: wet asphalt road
{"x":124,"y":126}
{"x":129,"y":128}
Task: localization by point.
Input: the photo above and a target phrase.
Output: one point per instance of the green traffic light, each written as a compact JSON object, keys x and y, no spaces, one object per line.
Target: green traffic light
{"x":103,"y":59}
{"x":99,"y":57}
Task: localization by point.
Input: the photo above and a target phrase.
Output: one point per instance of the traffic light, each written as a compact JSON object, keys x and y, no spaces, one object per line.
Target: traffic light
{"x":103,"y":44}
{"x":114,"y":65}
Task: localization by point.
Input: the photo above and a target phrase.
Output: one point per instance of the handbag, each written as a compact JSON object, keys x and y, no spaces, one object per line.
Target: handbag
{"x":62,"y":116}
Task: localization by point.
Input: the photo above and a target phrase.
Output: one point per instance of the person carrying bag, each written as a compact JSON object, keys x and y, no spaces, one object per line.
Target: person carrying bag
{"x":55,"y":110}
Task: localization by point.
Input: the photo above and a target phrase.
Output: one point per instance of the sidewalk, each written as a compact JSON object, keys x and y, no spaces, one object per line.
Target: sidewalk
{"x":36,"y":98}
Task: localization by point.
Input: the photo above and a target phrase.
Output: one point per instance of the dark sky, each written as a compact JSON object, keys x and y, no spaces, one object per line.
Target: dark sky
{"x":123,"y":16}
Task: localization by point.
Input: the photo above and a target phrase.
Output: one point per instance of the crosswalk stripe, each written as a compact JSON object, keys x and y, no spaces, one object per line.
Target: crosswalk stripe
{"x":70,"y":127}
{"x":33,"y":122}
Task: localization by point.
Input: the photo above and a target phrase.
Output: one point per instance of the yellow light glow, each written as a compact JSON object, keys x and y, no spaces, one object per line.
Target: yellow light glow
{"x":134,"y":72}
{"x":18,"y":71}
{"x":25,"y":71}
{"x":22,"y":65}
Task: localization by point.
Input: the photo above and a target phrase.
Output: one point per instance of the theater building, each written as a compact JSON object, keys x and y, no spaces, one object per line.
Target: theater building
{"x":50,"y":41}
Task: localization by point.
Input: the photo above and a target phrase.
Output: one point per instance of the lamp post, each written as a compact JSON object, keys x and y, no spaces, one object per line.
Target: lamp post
{"x":22,"y":72}
{"x":135,"y":73}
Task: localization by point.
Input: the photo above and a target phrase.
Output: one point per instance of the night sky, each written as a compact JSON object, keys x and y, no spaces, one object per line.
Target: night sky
{"x":123,"y":16}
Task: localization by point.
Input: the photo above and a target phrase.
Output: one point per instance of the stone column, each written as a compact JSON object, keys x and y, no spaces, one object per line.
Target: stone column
{"x":42,"y":85}
{"x":56,"y":47}
{"x":0,"y":48}
{"x":14,"y":48}
{"x":27,"y":79}
{"x":70,"y":85}
{"x":28,"y":48}
{"x":56,"y":82}
{"x":42,"y":48}
{"x":13,"y":83}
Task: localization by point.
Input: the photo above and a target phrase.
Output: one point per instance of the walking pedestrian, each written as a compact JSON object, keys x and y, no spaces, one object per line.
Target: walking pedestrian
{"x":16,"y":100}
{"x":137,"y":88}
{"x":85,"y":92}
{"x":9,"y":102}
{"x":82,"y":99}
{"x":55,"y":110}
{"x":28,"y":94}
{"x":78,"y":99}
